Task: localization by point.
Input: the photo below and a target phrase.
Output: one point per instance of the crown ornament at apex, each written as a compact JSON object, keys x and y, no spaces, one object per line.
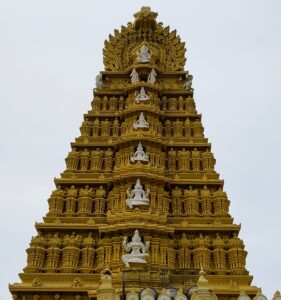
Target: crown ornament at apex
{"x":139,"y":211}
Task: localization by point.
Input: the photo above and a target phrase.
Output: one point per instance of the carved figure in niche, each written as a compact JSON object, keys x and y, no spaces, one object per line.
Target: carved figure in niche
{"x":181,"y":103}
{"x":152,"y":77}
{"x":191,"y":202}
{"x":85,"y":128}
{"x":137,"y":196}
{"x":72,"y":160}
{"x":206,"y":201}
{"x":96,"y":160}
{"x":198,"y":130}
{"x":172,"y":103}
{"x":108,"y":159}
{"x":178,"y":128}
{"x":96,"y":127}
{"x":115,"y":127}
{"x":113,"y":103}
{"x":164,"y":103}
{"x":190,"y":105}
{"x":172,"y":160}
{"x":188,"y":83}
{"x":184,"y":253}
{"x":99,"y":83}
{"x":70,"y":201}
{"x":183,"y":160}
{"x":100,"y":200}
{"x":141,"y":96}
{"x":56,"y":202}
{"x":134,"y":77}
{"x":96,"y":103}
{"x":141,"y":122}
{"x":104,"y":103}
{"x":105,"y":128}
{"x":195,"y":159}
{"x":208,"y":161}
{"x":139,"y":155}
{"x":84,"y":160}
{"x":187,"y":128}
{"x":85,"y":201}
{"x":177,"y":201}
{"x":121,"y":103}
{"x":53,"y":253}
{"x":168,"y":129}
{"x":136,"y":250}
{"x":143,"y":55}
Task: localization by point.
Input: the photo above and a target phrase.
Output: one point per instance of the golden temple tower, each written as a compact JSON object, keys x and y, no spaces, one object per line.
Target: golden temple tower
{"x":140,"y":207}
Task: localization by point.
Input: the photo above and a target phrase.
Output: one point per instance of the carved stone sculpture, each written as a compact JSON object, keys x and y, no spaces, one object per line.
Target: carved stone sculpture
{"x":188,"y":84}
{"x":134,"y":77}
{"x":141,"y":122}
{"x":139,"y":155}
{"x":70,"y":201}
{"x":86,"y":128}
{"x":136,"y":250}
{"x":143,"y":56}
{"x":152,"y":77}
{"x":137,"y":196}
{"x":100,"y":200}
{"x":141,"y":96}
{"x":99,"y":83}
{"x":108,"y":160}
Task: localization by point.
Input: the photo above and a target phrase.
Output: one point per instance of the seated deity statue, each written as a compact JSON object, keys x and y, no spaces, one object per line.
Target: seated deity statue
{"x":99,"y":83}
{"x":143,"y":56}
{"x":134,"y":77}
{"x":141,"y":96}
{"x":141,"y":122}
{"x":139,"y":155}
{"x":188,"y":84}
{"x":136,"y":250}
{"x":137,"y":196}
{"x":152,"y":77}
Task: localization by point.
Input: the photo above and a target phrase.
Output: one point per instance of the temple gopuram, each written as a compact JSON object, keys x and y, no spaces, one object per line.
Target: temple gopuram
{"x":139,"y":212}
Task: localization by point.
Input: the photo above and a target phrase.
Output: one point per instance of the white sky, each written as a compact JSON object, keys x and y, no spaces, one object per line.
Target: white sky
{"x":52,"y":50}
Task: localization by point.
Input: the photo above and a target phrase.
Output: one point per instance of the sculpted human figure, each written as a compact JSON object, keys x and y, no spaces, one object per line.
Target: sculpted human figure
{"x":178,"y":128}
{"x":183,"y":160}
{"x":141,"y":122}
{"x":113,"y":103}
{"x":99,"y":83}
{"x":152,"y":77}
{"x":86,"y":127}
{"x":195,"y":159}
{"x":96,"y":103}
{"x":187,"y":128}
{"x":141,"y":96}
{"x":134,"y":77}
{"x":143,"y":55}
{"x":208,"y":161}
{"x":190,"y":105}
{"x":84,"y":160}
{"x":96,"y":127}
{"x":70,"y":201}
{"x":198,"y":130}
{"x":105,"y":128}
{"x":136,"y":250}
{"x":100,"y":200}
{"x":164,"y":103}
{"x":181,"y":103}
{"x":121,"y":103}
{"x":172,"y":160}
{"x":104,"y":103}
{"x":172,"y":104}
{"x":108,"y":159}
{"x":188,"y":83}
{"x":137,"y":196}
{"x":96,"y":160}
{"x":168,"y":129}
{"x":115,"y":127}
{"x":72,"y":160}
{"x":139,"y":155}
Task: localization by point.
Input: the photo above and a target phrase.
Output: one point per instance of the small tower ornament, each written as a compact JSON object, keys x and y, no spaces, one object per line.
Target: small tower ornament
{"x":137,"y":196}
{"x":136,"y":251}
{"x":141,"y":122}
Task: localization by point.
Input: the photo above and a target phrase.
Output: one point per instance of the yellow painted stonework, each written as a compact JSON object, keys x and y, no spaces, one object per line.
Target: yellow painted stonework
{"x":186,"y":223}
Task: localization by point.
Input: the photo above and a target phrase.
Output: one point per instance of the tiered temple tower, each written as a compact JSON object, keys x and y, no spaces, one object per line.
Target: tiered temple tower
{"x":142,"y":162}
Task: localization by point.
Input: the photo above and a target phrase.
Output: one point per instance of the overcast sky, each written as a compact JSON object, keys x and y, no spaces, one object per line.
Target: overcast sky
{"x":51,"y":52}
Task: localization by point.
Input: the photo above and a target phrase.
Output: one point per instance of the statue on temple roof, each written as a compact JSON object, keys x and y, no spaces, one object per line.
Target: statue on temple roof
{"x":188,"y":84}
{"x":139,"y":155}
{"x":136,"y":250}
{"x":134,"y":77}
{"x":99,"y":83}
{"x":141,"y":96}
{"x":143,"y":55}
{"x":137,"y":196}
{"x":152,"y":77}
{"x":141,"y":122}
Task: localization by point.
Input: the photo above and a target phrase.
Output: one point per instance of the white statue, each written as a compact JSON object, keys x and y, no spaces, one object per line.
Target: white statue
{"x":141,"y":122}
{"x":136,"y":249}
{"x":143,"y":56}
{"x":139,"y":155}
{"x":137,"y":196}
{"x":152,"y":77}
{"x":134,"y":77}
{"x":141,"y":96}
{"x":99,"y":83}
{"x":188,"y":84}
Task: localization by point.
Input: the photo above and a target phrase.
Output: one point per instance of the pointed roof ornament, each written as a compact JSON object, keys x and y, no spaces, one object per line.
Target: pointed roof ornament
{"x":202,"y":282}
{"x":276,"y":296}
{"x":145,"y":20}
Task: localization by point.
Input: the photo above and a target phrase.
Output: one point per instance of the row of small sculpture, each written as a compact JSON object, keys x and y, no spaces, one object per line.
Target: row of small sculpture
{"x":166,"y":104}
